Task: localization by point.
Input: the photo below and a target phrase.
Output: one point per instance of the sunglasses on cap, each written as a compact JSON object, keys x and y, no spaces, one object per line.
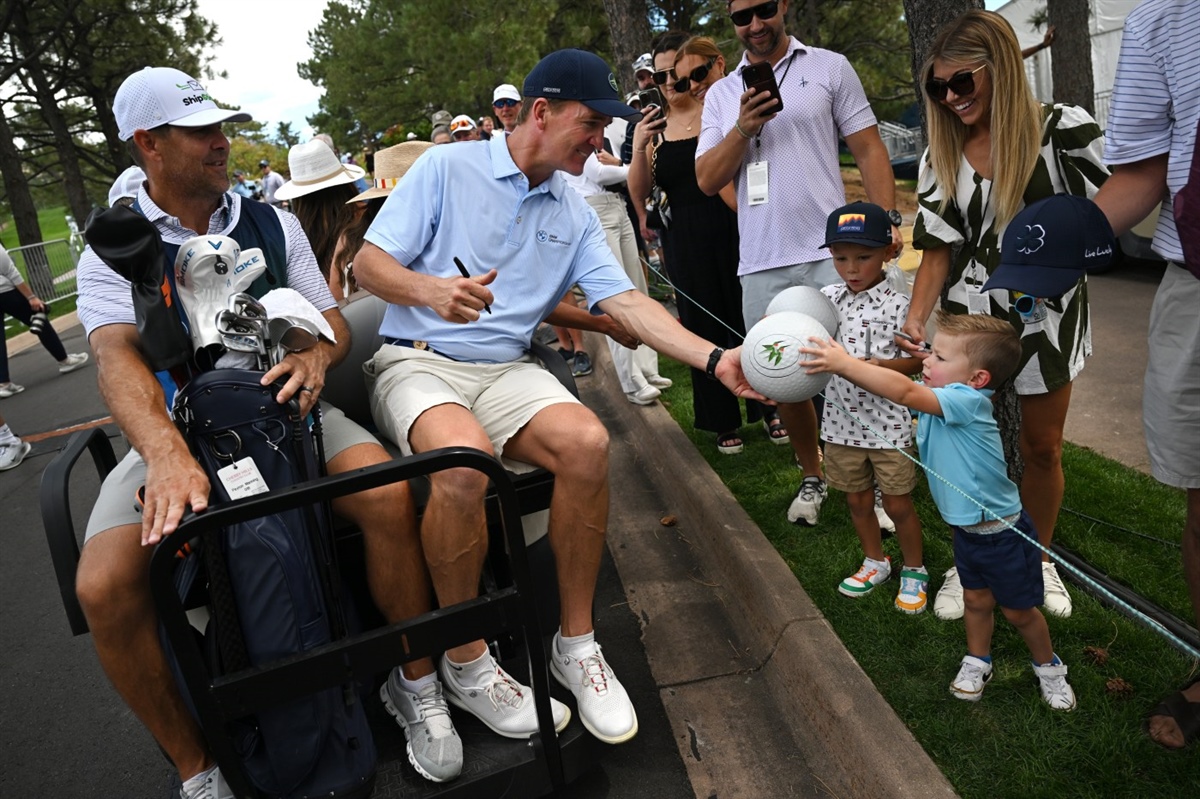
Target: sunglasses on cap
{"x":961,"y":83}
{"x":763,"y":11}
{"x":504,"y":102}
{"x":698,"y":74}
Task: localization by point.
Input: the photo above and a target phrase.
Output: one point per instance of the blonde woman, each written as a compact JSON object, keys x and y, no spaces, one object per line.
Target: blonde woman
{"x":975,"y":176}
{"x":700,"y":245}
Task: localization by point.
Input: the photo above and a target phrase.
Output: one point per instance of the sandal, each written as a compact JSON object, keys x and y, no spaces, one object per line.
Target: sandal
{"x":775,"y":430}
{"x":1184,"y":713}
{"x":729,"y":443}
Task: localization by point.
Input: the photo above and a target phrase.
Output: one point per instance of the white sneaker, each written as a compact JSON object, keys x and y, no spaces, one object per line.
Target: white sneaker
{"x":1055,"y":689}
{"x":206,"y":785}
{"x":434,"y":748}
{"x":658,"y":381}
{"x":75,"y":360}
{"x":972,"y":677}
{"x":870,"y":574}
{"x":604,"y":706}
{"x":646,"y":395}
{"x":806,"y":507}
{"x":503,"y":704}
{"x":12,"y":453}
{"x":1056,"y":600}
{"x":948,"y":604}
{"x":8,"y":389}
{"x":885,"y":521}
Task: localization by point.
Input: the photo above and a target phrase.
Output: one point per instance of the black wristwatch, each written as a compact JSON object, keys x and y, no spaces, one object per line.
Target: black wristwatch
{"x":714,"y":358}
{"x":895,"y":218}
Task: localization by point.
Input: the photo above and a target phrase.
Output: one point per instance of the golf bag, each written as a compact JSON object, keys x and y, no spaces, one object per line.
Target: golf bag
{"x":273,"y":586}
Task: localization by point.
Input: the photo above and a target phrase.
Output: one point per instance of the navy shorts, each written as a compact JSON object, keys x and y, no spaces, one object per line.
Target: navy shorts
{"x":1004,"y":562}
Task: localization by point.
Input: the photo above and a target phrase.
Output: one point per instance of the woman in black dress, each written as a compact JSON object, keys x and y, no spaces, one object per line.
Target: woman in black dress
{"x":700,"y":243}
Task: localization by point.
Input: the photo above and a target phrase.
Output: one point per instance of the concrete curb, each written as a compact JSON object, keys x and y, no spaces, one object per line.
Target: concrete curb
{"x":849,"y":736}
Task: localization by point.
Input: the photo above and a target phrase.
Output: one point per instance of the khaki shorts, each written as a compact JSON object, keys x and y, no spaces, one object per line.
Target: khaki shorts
{"x":854,"y":469}
{"x":115,"y":507}
{"x":759,"y":288}
{"x":404,"y":382}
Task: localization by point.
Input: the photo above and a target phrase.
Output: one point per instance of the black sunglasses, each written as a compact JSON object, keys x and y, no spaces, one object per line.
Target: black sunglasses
{"x":961,"y":83}
{"x":504,"y":102}
{"x":661,"y":76}
{"x":698,"y":74}
{"x":762,"y":11}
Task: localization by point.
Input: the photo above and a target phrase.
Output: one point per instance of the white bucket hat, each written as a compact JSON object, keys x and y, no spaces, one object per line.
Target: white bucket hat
{"x":164,"y":96}
{"x":314,"y":167}
{"x":390,"y":165}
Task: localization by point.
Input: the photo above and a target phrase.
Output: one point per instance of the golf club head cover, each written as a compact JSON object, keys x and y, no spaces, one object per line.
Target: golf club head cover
{"x":204,"y":277}
{"x":129,"y":244}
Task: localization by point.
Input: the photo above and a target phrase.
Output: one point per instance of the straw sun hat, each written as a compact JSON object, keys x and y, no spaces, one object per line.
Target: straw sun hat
{"x":390,"y":165}
{"x":314,"y":167}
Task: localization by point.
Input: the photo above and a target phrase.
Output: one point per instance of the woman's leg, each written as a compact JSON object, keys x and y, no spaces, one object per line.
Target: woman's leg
{"x":1042,"y":419}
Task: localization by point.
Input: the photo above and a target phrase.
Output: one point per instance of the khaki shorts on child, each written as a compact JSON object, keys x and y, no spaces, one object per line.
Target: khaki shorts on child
{"x":854,"y":469}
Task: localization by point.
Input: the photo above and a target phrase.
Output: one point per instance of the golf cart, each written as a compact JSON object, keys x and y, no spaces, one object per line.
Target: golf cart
{"x":516,"y":611}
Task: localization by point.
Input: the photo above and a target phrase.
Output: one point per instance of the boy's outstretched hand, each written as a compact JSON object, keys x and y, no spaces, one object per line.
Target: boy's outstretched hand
{"x":825,"y":355}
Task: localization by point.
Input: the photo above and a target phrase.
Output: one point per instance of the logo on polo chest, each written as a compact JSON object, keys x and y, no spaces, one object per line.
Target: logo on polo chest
{"x":545,"y":237}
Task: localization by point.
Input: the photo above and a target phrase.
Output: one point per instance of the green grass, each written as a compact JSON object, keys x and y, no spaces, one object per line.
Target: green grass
{"x":53,"y":222}
{"x":1010,"y":744}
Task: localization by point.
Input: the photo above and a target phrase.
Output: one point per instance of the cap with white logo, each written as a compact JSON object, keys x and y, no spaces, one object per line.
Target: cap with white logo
{"x":165,"y":96}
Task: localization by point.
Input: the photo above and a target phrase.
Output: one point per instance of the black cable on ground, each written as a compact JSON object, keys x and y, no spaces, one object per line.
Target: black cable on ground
{"x":1175,"y":544}
{"x":1168,"y":620}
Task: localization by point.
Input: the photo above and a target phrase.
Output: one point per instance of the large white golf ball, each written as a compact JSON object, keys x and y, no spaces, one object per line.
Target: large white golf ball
{"x":810,"y":301}
{"x":772,"y":361}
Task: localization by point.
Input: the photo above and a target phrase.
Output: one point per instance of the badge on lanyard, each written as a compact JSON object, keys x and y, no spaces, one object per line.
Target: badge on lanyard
{"x":756,"y":183}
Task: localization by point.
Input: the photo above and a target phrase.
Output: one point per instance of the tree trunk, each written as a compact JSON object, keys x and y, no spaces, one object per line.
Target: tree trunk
{"x":803,"y":22}
{"x":628,"y":22}
{"x":926,"y":18}
{"x":64,"y":143}
{"x":1071,"y":56}
{"x":20,"y":201}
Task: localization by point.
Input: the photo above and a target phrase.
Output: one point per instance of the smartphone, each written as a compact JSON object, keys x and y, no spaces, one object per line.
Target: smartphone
{"x":761,"y":77}
{"x":651,"y":96}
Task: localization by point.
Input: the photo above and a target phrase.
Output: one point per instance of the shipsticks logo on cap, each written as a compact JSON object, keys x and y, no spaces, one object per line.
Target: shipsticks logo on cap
{"x":851,"y":223}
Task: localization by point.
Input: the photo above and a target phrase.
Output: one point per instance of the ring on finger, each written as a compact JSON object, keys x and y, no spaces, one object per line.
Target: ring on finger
{"x":309,"y":389}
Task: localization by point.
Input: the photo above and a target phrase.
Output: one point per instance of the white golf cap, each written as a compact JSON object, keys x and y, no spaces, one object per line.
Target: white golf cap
{"x":164,"y":96}
{"x":126,"y":185}
{"x":506,"y":91}
{"x":461,"y":122}
{"x":644,"y":63}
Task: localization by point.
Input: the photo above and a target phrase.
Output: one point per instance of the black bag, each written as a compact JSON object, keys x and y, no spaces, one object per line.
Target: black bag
{"x":280,"y":574}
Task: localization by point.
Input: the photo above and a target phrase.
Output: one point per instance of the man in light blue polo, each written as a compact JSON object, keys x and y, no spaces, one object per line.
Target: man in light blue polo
{"x":455,"y":371}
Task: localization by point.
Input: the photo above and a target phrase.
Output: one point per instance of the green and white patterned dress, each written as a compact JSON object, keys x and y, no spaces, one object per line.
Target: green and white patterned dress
{"x":1056,"y":333}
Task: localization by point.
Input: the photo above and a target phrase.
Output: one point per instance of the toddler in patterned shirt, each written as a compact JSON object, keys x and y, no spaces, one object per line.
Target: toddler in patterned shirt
{"x":858,"y":461}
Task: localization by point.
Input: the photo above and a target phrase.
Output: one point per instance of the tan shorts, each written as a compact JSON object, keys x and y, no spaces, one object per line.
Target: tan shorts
{"x":115,"y":507}
{"x":854,"y":469}
{"x":404,"y":382}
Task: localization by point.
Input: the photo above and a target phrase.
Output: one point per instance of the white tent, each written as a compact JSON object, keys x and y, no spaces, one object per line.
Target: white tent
{"x":1106,"y":21}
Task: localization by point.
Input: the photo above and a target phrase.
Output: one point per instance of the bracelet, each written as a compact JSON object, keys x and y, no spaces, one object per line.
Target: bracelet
{"x":714,"y":358}
{"x":640,"y":151}
{"x":737,"y":125}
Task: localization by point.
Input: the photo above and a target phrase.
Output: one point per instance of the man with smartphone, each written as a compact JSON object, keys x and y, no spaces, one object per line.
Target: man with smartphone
{"x":784,"y":164}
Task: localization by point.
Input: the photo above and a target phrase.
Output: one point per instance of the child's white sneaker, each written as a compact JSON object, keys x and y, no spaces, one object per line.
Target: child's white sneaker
{"x":869,"y":575}
{"x":948,"y":604}
{"x":972,"y":676}
{"x":1052,"y":679}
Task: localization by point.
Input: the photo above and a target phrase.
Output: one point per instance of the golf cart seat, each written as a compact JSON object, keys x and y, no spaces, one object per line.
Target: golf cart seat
{"x":519,"y":583}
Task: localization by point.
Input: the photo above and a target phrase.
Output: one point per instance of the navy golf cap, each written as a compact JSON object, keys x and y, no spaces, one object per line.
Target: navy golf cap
{"x":582,"y":76}
{"x":1049,"y":245}
{"x":859,"y":223}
